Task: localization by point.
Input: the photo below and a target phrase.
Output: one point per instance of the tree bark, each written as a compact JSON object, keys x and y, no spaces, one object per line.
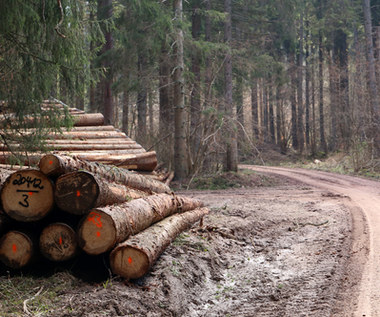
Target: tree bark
{"x":17,"y":249}
{"x":321,"y":105}
{"x":293,"y":87}
{"x":104,"y":227}
{"x":88,"y":119}
{"x":141,"y":101}
{"x":55,"y":165}
{"x":300,"y":110}
{"x":255,"y":109}
{"x":180,"y":159}
{"x":133,"y":258}
{"x":230,"y":109}
{"x":125,"y":120}
{"x":106,"y":13}
{"x":27,"y":195}
{"x":374,"y":96}
{"x":58,"y":242}
{"x":195,"y":102}
{"x":78,"y":192}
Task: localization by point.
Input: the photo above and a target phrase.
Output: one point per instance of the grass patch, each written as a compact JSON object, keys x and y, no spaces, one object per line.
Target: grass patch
{"x":39,"y":296}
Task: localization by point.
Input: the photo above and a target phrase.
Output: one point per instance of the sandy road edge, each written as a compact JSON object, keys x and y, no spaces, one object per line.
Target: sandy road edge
{"x":347,"y":297}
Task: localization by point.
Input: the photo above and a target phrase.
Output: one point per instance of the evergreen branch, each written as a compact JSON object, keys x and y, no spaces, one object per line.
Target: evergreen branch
{"x":60,"y":21}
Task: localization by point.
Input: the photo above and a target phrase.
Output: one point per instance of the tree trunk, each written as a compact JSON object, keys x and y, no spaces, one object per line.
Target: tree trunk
{"x":27,"y":195}
{"x":255,"y":109}
{"x":58,"y":242}
{"x":195,"y":102}
{"x":125,"y":120}
{"x":293,"y":86}
{"x":104,"y":227}
{"x":300,"y":110}
{"x":230,"y":109}
{"x":17,"y":249}
{"x":271,"y":115}
{"x":334,"y":109}
{"x":307,"y":89}
{"x":141,"y":101}
{"x":55,"y":165}
{"x":133,"y":258}
{"x":106,"y":13}
{"x":374,"y":96}
{"x":321,"y":110}
{"x":78,"y":192}
{"x":180,"y":159}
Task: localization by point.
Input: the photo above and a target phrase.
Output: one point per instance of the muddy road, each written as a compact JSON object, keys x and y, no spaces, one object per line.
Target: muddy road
{"x":290,"y":243}
{"x":364,"y":203}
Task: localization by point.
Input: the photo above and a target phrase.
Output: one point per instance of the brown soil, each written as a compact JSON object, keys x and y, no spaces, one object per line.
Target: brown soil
{"x":284,"y":250}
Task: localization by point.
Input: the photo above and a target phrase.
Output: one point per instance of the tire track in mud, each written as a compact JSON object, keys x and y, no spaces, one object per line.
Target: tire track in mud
{"x":361,"y":292}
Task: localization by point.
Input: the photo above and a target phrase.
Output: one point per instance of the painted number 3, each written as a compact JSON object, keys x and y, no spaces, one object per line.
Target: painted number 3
{"x":24,"y":203}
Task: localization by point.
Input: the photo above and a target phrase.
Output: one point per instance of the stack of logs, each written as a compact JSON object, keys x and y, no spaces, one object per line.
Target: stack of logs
{"x":69,"y":206}
{"x":90,"y":140}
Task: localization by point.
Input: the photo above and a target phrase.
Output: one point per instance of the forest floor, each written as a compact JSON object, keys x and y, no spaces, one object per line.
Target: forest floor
{"x":276,"y":246}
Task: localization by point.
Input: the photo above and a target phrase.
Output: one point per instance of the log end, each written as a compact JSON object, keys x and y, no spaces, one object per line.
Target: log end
{"x":96,"y":233}
{"x":58,"y":242}
{"x":27,"y":195}
{"x":16,"y":249}
{"x":50,"y":165}
{"x":76,"y":192}
{"x":129,"y":262}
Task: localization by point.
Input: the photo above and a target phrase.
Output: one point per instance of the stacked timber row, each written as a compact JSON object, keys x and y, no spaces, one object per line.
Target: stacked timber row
{"x":69,"y":206}
{"x":90,"y":140}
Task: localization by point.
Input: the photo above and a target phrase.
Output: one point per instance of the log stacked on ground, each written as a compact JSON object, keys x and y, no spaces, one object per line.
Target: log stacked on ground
{"x":104,"y":227}
{"x":115,"y":205}
{"x":134,"y":257}
{"x":56,"y":165}
{"x":17,"y":249}
{"x":78,"y":192}
{"x":58,"y":242}
{"x":27,"y":195}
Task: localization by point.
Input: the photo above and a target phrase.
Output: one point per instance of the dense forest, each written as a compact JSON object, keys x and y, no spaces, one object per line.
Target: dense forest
{"x":204,"y":83}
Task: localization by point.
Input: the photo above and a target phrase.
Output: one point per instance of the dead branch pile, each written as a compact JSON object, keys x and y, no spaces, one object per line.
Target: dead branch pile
{"x":69,"y":206}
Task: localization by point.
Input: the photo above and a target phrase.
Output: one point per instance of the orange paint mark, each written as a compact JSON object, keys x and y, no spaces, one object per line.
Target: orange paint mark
{"x":96,"y":219}
{"x":14,"y":248}
{"x":30,"y":193}
{"x":130,"y":260}
{"x":98,"y":234}
{"x":60,"y":240}
{"x":51,"y":162}
{"x":78,"y":193}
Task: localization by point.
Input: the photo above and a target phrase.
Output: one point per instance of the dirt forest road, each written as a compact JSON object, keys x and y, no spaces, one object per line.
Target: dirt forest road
{"x":364,"y":202}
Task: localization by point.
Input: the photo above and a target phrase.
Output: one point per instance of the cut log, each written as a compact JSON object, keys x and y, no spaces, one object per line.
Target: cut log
{"x":142,"y":161}
{"x":78,"y":192}
{"x":84,"y":135}
{"x":16,"y":249}
{"x":93,"y":128}
{"x":133,"y":258}
{"x":104,"y":227}
{"x":101,"y":149}
{"x":58,"y":242}
{"x":27,"y":195}
{"x":93,"y":141}
{"x":55,"y":165}
{"x":104,"y":154}
{"x":88,"y":119}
